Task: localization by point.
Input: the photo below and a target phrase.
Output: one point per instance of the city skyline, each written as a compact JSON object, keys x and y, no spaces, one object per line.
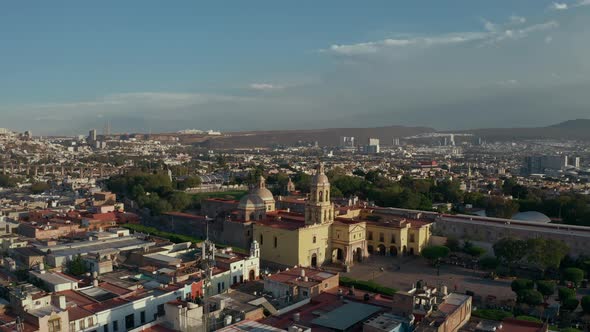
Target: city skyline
{"x":141,"y":66}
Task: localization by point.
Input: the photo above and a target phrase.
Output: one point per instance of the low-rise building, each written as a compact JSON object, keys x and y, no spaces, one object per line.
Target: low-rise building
{"x":300,"y":283}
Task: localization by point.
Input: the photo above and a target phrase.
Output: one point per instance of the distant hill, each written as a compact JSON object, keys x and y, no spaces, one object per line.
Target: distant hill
{"x":578,"y":129}
{"x":324,"y":137}
{"x":578,"y":124}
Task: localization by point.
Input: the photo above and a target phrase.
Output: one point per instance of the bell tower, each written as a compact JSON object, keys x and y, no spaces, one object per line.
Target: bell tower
{"x":319,"y":209}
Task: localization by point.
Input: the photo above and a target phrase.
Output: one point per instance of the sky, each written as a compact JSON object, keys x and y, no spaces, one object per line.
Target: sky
{"x":160,"y":66}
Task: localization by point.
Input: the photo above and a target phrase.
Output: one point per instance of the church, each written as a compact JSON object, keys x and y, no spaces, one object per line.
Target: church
{"x":314,"y":238}
{"x":318,"y":233}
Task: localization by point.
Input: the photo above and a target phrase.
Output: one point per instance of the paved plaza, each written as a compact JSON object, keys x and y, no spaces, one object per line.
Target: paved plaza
{"x":401,"y":272}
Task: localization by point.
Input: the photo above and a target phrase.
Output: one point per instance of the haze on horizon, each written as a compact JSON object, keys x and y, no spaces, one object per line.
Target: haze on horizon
{"x":68,"y":66}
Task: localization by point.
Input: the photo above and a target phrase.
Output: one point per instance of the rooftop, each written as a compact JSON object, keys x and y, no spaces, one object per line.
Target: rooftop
{"x":251,"y":326}
{"x":346,"y":316}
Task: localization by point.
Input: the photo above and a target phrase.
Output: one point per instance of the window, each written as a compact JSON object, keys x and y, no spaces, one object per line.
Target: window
{"x":72,"y":326}
{"x":412,"y":239}
{"x":115,"y":326}
{"x":261,"y":239}
{"x":142,"y":317}
{"x":392,"y":238}
{"x":370,"y":236}
{"x":105,"y":328}
{"x":90,"y":321}
{"x":82,"y":324}
{"x":314,"y":238}
{"x":381,"y":237}
{"x":161,"y":311}
{"x":276,"y":242}
{"x":129,"y":321}
{"x":54,"y":325}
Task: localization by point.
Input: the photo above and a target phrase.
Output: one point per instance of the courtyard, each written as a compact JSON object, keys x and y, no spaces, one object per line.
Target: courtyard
{"x":401,"y":272}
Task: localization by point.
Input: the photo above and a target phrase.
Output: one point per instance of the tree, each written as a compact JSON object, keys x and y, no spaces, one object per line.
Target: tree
{"x":545,"y":253}
{"x":77,"y":266}
{"x":475,"y":251}
{"x":510,"y":250}
{"x":434,"y":253}
{"x":570,"y":304}
{"x":453,"y":244}
{"x":565,"y":293}
{"x":39,"y":187}
{"x":500,"y":207}
{"x":519,"y":286}
{"x":189,"y":182}
{"x":489,"y":263}
{"x":586,"y":304}
{"x":574,"y":275}
{"x":7,"y":182}
{"x":179,"y":201}
{"x":546,"y":287}
{"x":532,"y":297}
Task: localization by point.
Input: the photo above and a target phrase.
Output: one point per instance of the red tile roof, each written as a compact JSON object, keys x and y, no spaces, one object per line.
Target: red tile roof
{"x":76,"y":313}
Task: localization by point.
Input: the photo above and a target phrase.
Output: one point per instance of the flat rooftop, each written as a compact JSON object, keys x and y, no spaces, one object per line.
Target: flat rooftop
{"x":106,"y":245}
{"x":250,"y":326}
{"x":346,"y":316}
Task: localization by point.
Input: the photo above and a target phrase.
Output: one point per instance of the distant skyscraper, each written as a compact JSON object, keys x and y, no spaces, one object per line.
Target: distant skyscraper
{"x":347,"y":142}
{"x":542,"y":164}
{"x":373,"y":146}
{"x":576,"y":162}
{"x":92,"y":135}
{"x":395,"y":142}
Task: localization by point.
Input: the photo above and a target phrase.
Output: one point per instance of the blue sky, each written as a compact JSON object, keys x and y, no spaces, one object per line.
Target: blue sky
{"x":67,"y":66}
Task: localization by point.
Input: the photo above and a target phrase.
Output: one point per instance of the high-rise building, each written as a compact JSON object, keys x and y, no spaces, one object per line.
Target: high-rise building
{"x":577,"y":162}
{"x":92,"y":135}
{"x":542,"y":164}
{"x":373,"y":146}
{"x":347,"y":142}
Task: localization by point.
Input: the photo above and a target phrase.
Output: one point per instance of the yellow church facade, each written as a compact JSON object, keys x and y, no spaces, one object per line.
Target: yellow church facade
{"x":319,"y":237}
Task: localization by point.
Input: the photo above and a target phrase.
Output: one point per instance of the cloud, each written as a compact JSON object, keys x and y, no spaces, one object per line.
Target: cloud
{"x":391,"y":44}
{"x":559,"y":6}
{"x":515,"y":34}
{"x":493,"y":33}
{"x":517,"y":19}
{"x":265,"y":86}
{"x":153,"y":99}
{"x":565,"y":6}
{"x":511,"y":82}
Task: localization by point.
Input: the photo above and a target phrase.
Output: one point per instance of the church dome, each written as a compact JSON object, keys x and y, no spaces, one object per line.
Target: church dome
{"x":263,"y":193}
{"x":251,"y":201}
{"x":319,"y":177}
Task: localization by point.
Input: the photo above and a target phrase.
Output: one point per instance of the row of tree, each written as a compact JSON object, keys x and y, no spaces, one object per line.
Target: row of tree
{"x":154,"y":191}
{"x":539,"y":253}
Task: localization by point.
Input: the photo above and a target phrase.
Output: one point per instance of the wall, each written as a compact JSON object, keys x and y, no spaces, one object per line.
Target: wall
{"x":286,"y":252}
{"x":321,"y":247}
